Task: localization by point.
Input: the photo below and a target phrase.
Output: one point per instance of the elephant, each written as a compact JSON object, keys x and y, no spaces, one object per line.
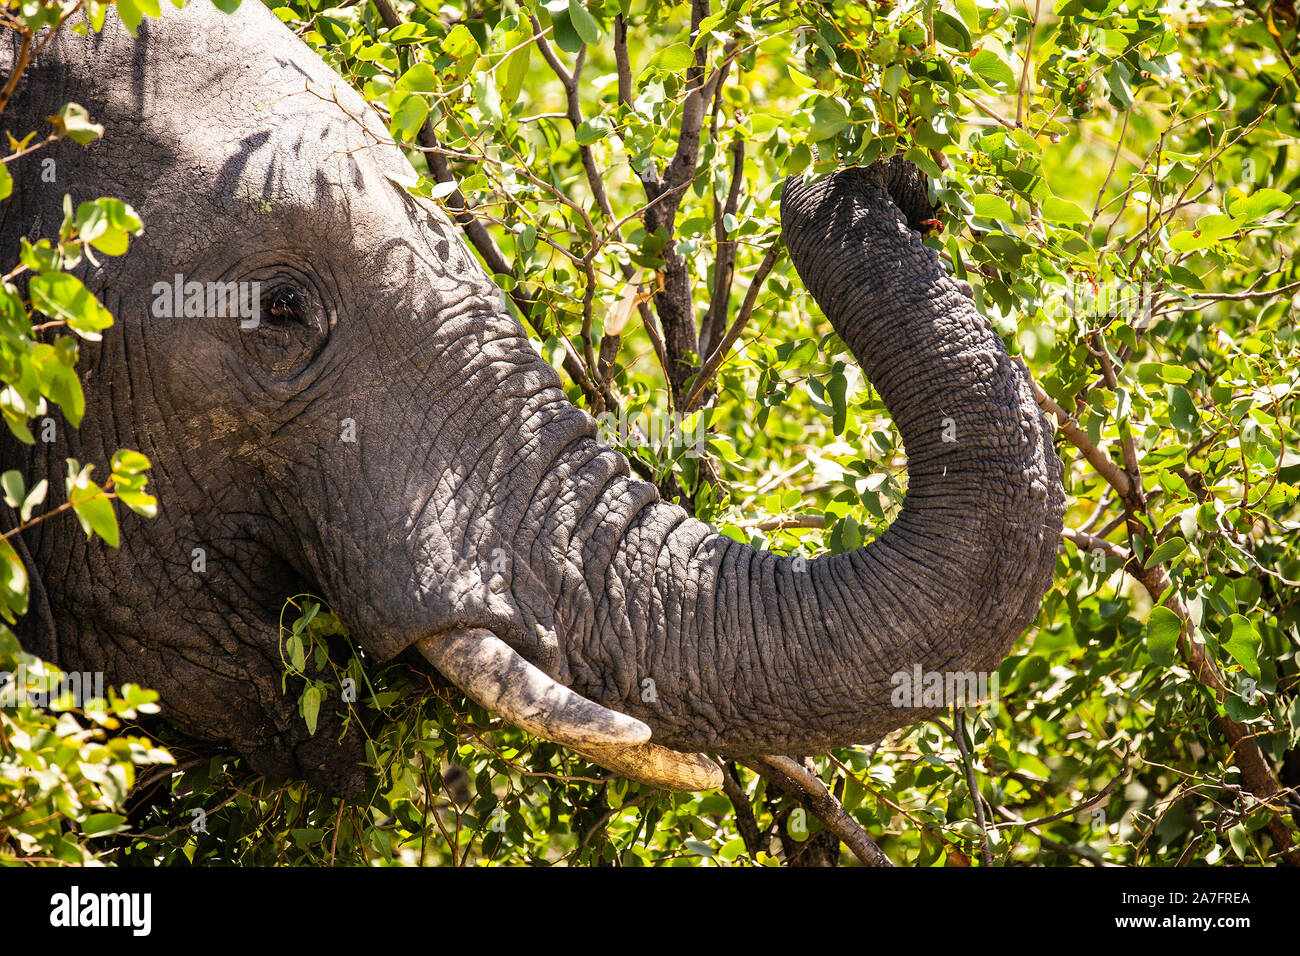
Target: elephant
{"x":385,"y":435}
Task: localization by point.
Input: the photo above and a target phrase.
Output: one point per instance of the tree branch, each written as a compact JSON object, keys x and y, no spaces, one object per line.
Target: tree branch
{"x":710,"y":367}
{"x":1099,"y":460}
{"x":673,"y":302}
{"x":622,"y":62}
{"x":958,"y":733}
{"x":573,"y":110}
{"x":789,"y":774}
{"x":745,"y":820}
{"x":597,"y":398}
{"x":724,"y":263}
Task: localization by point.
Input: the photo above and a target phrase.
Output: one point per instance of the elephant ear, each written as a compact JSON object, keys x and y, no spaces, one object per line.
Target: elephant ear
{"x":498,"y":678}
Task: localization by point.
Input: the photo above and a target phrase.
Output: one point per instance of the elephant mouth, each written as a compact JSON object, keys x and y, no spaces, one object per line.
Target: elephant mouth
{"x":498,"y":678}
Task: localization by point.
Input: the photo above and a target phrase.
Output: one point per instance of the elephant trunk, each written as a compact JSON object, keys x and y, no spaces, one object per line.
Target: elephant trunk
{"x":718,"y":647}
{"x":750,"y":652}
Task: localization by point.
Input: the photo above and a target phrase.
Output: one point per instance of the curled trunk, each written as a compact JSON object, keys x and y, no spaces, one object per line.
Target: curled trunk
{"x":804,"y":659}
{"x":722,"y":648}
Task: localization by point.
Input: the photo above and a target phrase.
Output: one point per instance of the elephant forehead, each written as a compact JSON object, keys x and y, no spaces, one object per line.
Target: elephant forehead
{"x":283,"y":141}
{"x":233,"y":140}
{"x":243,"y":113}
{"x":308,"y":166}
{"x":314,"y":167}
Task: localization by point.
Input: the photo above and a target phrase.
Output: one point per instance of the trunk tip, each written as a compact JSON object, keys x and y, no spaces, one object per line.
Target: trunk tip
{"x":896,"y":180}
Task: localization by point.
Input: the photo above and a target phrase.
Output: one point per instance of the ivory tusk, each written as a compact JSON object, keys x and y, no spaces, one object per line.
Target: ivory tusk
{"x":498,"y":678}
{"x":658,"y":766}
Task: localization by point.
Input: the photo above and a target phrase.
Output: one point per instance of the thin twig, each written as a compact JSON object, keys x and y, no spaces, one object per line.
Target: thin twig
{"x":710,"y":367}
{"x":1024,"y":70}
{"x":958,"y":733}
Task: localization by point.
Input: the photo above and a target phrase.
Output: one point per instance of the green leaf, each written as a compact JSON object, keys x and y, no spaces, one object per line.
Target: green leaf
{"x":13,"y":584}
{"x":1062,"y":210}
{"x":487,"y":98}
{"x":892,"y":79}
{"x":129,"y":462}
{"x":1166,"y":551}
{"x":62,"y":297}
{"x":562,"y":28}
{"x":15,"y":490}
{"x":39,"y":256}
{"x":1240,"y":842}
{"x":830,"y":115}
{"x":131,"y":14}
{"x":1117,"y":80}
{"x":443,"y":190}
{"x":993,"y":70}
{"x":586,"y":25}
{"x":408,"y":112}
{"x":97,"y":515}
{"x":836,"y":388}
{"x":675,"y":58}
{"x":1259,"y":204}
{"x":107,"y":224}
{"x":56,"y":375}
{"x":310,"y":703}
{"x":1209,"y":230}
{"x":304,"y":837}
{"x":73,"y":121}
{"x":460,"y":43}
{"x":921,"y":159}
{"x":102,"y":824}
{"x":951,"y":32}
{"x":332,"y":29}
{"x":1151,"y":372}
{"x":1241,"y":639}
{"x":1163,"y":628}
{"x":516,"y":70}
{"x":34,"y":498}
{"x":799,"y":78}
{"x":139,"y":502}
{"x":421,"y":78}
{"x":1216,"y":225}
{"x":593,"y":130}
{"x":994,"y":207}
{"x":1182,"y":410}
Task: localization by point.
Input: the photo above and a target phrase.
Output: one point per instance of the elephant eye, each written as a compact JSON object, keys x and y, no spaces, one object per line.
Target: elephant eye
{"x":285,"y":305}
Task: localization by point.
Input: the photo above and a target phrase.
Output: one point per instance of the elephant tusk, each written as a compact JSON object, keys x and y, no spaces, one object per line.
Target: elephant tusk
{"x":497,"y":677}
{"x":658,"y":766}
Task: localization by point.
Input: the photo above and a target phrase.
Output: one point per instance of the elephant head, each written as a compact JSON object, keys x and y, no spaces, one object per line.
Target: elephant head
{"x":385,"y":435}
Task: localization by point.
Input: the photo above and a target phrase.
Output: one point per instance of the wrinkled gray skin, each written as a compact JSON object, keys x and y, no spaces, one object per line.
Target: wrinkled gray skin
{"x":465,"y":441}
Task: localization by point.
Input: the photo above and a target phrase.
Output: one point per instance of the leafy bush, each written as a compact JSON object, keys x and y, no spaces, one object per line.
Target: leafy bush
{"x":63,"y":776}
{"x":65,"y":766}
